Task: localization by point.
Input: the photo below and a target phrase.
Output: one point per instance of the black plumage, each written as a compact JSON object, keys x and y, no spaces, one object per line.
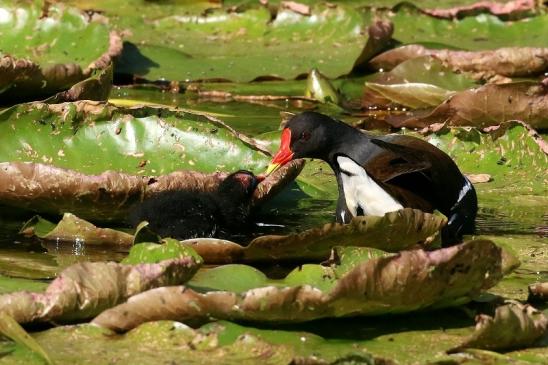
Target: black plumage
{"x":185,"y":214}
{"x":411,"y":171}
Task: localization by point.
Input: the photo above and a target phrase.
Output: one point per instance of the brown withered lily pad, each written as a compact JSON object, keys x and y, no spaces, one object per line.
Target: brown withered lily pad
{"x":405,"y":282}
{"x":512,"y":7}
{"x":85,"y":289}
{"x":508,"y":62}
{"x":485,"y":106}
{"x":43,"y":54}
{"x":513,"y":326}
{"x":109,"y":196}
{"x":392,"y":232}
{"x":538,"y":292}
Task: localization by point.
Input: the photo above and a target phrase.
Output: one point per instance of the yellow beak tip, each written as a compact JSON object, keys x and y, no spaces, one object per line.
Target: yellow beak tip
{"x":271,"y":168}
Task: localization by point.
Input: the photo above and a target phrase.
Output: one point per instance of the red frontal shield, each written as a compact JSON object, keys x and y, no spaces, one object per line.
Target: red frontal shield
{"x":284,"y":154}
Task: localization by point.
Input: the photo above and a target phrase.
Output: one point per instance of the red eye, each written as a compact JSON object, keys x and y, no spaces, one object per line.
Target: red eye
{"x":305,"y":136}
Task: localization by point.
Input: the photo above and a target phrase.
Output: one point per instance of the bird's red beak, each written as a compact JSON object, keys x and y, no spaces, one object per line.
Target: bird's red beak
{"x":284,"y":154}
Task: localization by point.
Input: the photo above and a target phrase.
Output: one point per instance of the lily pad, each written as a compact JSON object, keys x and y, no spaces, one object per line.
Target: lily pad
{"x":538,"y":292}
{"x":413,"y":94}
{"x":168,"y":43}
{"x":8,"y":285}
{"x":506,"y":61}
{"x":42,"y":51}
{"x":478,"y":32}
{"x":53,"y":150}
{"x":71,"y":228}
{"x":513,"y":154}
{"x":416,"y":83}
{"x":10,"y":328}
{"x":514,"y":325}
{"x":489,"y":105}
{"x":165,"y":341}
{"x":392,"y":232}
{"x":96,"y":87}
{"x":85,"y":289}
{"x":409,"y":281}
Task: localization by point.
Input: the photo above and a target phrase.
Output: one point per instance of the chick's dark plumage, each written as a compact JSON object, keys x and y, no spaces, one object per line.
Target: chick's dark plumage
{"x":185,"y":214}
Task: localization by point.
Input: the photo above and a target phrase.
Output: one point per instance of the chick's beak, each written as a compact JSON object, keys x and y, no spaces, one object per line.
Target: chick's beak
{"x":284,"y":154}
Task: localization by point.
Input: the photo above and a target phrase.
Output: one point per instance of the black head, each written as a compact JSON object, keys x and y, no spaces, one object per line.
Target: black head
{"x":239,"y":185}
{"x":310,"y":134}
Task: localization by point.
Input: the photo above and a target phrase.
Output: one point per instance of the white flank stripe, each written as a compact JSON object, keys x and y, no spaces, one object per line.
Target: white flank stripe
{"x":362,"y":191}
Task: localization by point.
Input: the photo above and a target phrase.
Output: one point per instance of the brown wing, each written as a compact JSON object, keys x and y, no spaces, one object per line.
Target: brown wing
{"x":396,"y":160}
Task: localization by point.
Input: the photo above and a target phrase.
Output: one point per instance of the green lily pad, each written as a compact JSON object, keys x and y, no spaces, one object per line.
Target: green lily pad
{"x":8,"y":285}
{"x":167,"y":42}
{"x":71,"y":228}
{"x":83,"y":290}
{"x":92,"y":137}
{"x":239,"y":278}
{"x":409,"y":281}
{"x":42,"y":51}
{"x":11,"y":329}
{"x":511,"y":153}
{"x":154,"y":253}
{"x":478,"y":32}
{"x":27,"y":265}
{"x":165,"y":341}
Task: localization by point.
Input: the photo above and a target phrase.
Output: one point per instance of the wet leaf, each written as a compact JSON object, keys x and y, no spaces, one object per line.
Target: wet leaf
{"x":506,"y":61}
{"x":401,"y":283}
{"x":392,"y":232}
{"x":42,"y":49}
{"x":27,"y":265}
{"x":513,"y":326}
{"x":71,"y":229}
{"x":10,"y":328}
{"x":53,"y":150}
{"x":85,"y":289}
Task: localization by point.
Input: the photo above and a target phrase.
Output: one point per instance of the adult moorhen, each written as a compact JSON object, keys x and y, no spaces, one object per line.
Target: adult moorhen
{"x":380,"y":174}
{"x":186,"y":214}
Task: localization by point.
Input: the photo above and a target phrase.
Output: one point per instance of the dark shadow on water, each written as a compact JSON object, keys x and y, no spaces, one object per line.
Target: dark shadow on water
{"x":366,"y":328}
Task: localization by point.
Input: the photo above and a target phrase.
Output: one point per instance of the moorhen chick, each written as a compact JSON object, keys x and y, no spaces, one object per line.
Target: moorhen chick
{"x":380,"y":174}
{"x":186,"y":214}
